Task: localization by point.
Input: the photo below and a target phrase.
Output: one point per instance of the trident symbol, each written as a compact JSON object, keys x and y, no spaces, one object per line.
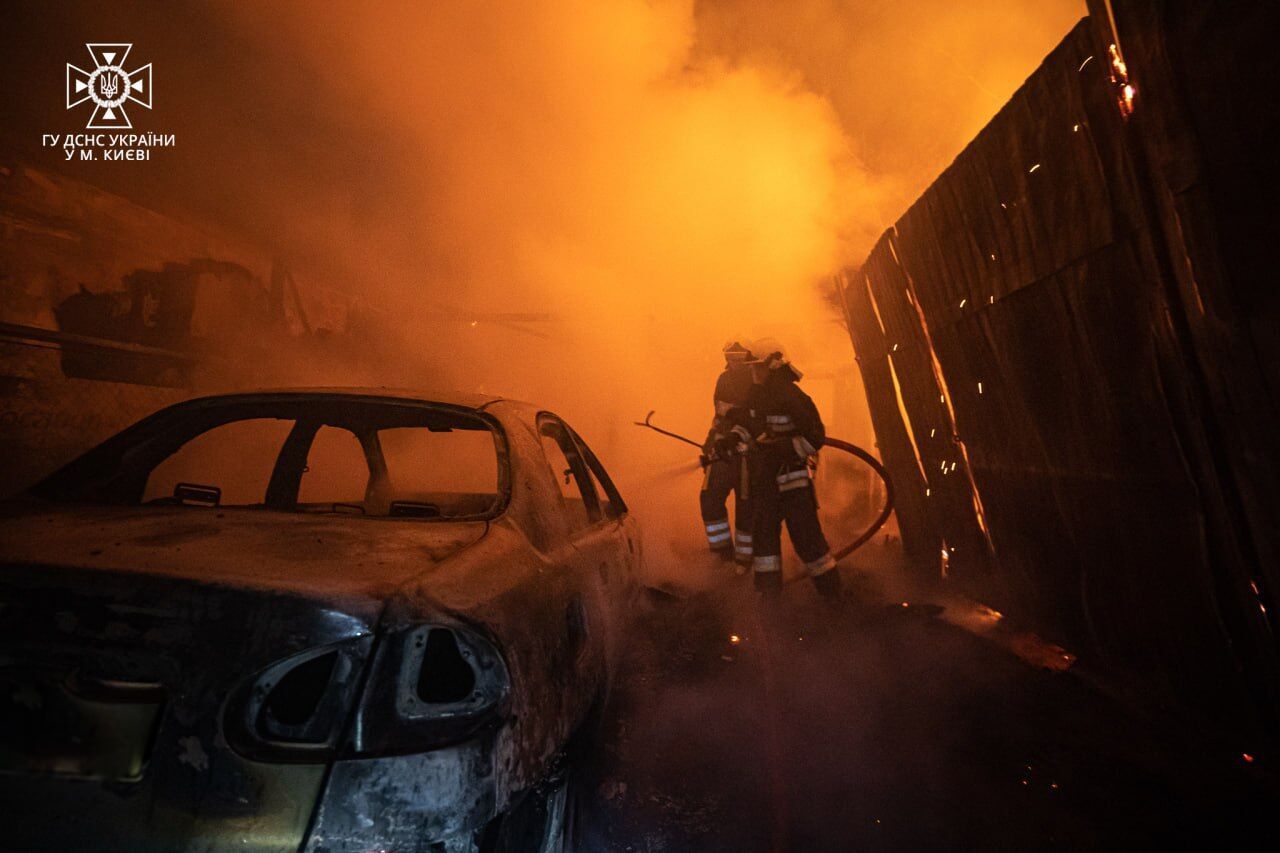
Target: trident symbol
{"x":110,"y":85}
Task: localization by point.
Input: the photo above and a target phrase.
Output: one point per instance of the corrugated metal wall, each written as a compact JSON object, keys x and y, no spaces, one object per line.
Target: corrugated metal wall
{"x":1049,"y":414}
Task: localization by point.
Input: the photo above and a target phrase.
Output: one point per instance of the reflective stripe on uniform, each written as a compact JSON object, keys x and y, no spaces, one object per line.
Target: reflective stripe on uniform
{"x":794,"y":479}
{"x":764,"y":565}
{"x":742,"y":544}
{"x":779,"y":423}
{"x":718,"y":532}
{"x":820,"y":566}
{"x":802,"y":446}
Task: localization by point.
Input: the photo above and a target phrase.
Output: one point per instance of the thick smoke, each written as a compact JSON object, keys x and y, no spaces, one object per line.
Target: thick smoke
{"x":656,"y":176}
{"x":597,"y":192}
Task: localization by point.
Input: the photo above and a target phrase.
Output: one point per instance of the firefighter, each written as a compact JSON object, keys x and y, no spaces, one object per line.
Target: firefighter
{"x":727,"y":472}
{"x":780,"y":432}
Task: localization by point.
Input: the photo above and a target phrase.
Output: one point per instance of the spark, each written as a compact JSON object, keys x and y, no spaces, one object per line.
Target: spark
{"x":1003,"y":205}
{"x":1033,"y":168}
{"x":895,"y":347}
{"x":953,"y":466}
{"x":993,"y":256}
{"x":735,"y":639}
{"x":475,"y":323}
{"x":942,"y":398}
{"x":1075,"y":128}
{"x":991,"y":300}
{"x":1086,"y":62}
{"x":1116,"y":62}
{"x":933,"y":432}
{"x":905,"y":604}
{"x":928,"y":492}
{"x":987,"y":614}
{"x":1248,"y":759}
{"x":963,"y":301}
{"x":979,"y":387}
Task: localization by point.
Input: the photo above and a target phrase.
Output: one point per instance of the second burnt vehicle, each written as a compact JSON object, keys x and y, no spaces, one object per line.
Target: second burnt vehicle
{"x":313,"y":619}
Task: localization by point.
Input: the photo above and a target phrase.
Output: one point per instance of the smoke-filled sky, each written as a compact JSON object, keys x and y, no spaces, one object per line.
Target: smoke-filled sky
{"x":656,"y":174}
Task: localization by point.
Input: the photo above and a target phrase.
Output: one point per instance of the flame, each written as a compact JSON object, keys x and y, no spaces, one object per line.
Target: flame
{"x":1126,"y":91}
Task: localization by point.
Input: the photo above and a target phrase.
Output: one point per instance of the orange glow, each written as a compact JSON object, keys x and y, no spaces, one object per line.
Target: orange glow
{"x":987,"y":614}
{"x":1126,"y":92}
{"x":647,"y":177}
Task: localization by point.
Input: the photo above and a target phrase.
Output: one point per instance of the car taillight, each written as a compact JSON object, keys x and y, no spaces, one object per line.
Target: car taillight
{"x":429,"y":686}
{"x":295,"y":710}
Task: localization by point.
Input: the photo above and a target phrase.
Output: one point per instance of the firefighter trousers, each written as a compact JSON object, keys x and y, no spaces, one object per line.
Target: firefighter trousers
{"x":720,"y":478}
{"x":784,"y":494}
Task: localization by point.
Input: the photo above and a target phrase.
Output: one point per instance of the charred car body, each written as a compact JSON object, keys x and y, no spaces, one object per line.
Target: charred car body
{"x":316,"y":619}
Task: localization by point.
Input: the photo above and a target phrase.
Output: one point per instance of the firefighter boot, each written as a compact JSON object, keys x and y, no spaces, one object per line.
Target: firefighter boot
{"x":828,"y":584}
{"x":768,"y":584}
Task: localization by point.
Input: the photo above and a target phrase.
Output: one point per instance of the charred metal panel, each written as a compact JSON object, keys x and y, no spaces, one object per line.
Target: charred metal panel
{"x":393,"y":803}
{"x":192,"y":645}
{"x":1064,"y":443}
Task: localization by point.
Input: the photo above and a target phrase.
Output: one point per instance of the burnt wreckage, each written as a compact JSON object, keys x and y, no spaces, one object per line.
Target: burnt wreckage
{"x":327,"y":620}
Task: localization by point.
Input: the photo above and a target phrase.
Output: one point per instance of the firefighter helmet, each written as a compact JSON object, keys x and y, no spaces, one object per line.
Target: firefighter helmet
{"x":770,"y":353}
{"x":735,"y":352}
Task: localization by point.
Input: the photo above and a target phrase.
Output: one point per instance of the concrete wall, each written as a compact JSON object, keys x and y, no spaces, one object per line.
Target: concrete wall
{"x":1071,"y":411}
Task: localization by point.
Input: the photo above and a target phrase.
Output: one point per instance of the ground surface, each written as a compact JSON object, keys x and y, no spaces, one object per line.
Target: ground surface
{"x":882,"y":727}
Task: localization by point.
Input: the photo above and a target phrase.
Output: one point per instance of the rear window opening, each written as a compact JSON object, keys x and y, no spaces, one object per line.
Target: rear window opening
{"x":354,"y":457}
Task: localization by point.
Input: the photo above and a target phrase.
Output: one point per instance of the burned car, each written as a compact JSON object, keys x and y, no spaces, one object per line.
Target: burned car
{"x":310,"y":619}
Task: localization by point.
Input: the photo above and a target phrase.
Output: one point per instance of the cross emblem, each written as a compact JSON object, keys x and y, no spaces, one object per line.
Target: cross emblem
{"x":109,"y":86}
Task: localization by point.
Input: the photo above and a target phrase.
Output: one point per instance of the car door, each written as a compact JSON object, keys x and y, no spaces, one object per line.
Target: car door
{"x":588,"y":557}
{"x":612,"y":547}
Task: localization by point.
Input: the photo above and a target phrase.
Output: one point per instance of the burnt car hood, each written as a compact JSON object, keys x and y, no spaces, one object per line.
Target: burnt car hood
{"x":314,"y":556}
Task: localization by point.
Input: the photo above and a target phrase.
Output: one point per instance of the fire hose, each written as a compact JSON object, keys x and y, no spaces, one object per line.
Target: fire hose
{"x":838,"y":444}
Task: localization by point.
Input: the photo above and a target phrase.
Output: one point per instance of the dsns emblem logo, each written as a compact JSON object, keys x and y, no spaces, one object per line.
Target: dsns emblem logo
{"x":109,"y":86}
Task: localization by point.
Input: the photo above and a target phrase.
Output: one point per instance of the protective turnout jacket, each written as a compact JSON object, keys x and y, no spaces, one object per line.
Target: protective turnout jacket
{"x":785,"y":424}
{"x":732,"y":389}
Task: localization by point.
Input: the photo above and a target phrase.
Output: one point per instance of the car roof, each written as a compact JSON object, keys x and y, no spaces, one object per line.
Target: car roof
{"x":445,"y":397}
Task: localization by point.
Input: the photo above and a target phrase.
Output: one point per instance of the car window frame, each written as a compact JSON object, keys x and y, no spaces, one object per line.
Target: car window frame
{"x":82,"y":474}
{"x":617,"y":506}
{"x":578,"y":467}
